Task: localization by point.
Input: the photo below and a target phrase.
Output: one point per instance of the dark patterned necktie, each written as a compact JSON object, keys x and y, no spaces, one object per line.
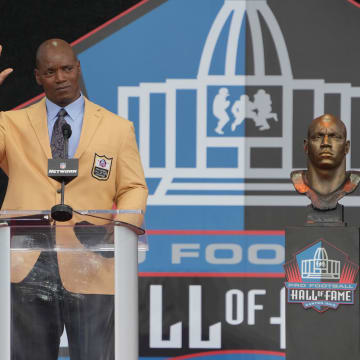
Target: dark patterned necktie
{"x":57,"y":137}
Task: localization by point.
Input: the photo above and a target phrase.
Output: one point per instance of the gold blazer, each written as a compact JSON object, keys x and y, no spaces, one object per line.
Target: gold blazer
{"x":24,"y":151}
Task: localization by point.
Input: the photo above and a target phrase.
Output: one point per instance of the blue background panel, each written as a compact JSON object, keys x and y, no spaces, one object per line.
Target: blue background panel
{"x":195,"y":217}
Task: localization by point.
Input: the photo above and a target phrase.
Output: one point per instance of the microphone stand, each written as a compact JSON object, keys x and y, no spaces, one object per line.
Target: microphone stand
{"x":62,"y":212}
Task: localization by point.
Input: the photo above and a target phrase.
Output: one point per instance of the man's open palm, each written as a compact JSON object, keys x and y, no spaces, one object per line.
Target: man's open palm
{"x":5,"y":73}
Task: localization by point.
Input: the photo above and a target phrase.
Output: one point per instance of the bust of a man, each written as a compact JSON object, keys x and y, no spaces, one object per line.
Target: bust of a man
{"x":326,"y":180}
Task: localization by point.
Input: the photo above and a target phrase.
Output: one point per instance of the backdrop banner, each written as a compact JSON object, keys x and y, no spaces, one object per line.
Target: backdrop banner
{"x":221,"y":93}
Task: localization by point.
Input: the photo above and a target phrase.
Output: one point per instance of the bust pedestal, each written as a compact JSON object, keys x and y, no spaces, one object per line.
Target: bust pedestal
{"x":322,"y":310}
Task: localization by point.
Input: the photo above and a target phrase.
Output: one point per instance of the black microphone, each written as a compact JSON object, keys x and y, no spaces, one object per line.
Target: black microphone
{"x":66,"y":130}
{"x":63,"y":170}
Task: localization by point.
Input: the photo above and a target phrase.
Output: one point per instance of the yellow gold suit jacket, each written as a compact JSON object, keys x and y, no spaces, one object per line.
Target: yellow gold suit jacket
{"x":24,"y":151}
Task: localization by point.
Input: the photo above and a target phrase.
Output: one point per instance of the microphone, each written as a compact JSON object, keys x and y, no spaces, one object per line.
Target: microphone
{"x":63,"y":170}
{"x":66,"y":130}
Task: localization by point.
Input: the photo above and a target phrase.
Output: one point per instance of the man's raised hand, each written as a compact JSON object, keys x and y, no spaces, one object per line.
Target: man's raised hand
{"x":5,"y":73}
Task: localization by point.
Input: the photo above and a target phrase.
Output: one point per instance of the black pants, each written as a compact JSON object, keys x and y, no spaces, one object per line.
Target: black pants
{"x":41,"y":307}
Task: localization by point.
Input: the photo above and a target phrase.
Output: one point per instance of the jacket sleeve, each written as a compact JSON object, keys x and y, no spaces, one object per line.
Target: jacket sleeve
{"x":131,"y":189}
{"x":3,"y":162}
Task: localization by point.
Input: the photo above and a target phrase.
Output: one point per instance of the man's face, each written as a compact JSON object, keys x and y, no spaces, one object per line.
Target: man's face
{"x":58,"y":72}
{"x":326,"y":145}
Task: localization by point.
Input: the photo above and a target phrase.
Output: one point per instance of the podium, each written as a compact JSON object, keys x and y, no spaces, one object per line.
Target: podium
{"x":322,"y":310}
{"x":107,"y":248}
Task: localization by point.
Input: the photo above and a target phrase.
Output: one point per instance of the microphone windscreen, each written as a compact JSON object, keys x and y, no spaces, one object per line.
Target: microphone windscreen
{"x":66,"y":130}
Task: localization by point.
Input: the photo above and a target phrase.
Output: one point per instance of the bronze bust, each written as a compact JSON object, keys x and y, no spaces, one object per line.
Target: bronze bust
{"x":326,"y":180}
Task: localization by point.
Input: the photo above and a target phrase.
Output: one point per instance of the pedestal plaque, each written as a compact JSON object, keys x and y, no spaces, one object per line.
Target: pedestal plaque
{"x":322,"y":311}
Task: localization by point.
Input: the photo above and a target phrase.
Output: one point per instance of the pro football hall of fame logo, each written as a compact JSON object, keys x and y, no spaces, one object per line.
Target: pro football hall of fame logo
{"x":321,"y":277}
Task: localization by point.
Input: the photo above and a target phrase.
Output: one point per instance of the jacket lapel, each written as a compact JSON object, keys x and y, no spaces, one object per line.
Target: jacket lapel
{"x":91,"y":121}
{"x":38,"y":118}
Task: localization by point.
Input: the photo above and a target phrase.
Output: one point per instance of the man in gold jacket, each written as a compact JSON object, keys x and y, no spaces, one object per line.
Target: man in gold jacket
{"x":81,"y":301}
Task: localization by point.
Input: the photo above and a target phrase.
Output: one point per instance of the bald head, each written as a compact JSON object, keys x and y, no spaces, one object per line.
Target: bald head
{"x":326,"y":145}
{"x":326,"y":121}
{"x":51,"y":45}
{"x":58,"y":71}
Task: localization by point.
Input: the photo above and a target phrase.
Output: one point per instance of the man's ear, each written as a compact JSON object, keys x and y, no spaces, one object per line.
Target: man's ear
{"x":37,"y":77}
{"x":306,"y":146}
{"x":347,"y":147}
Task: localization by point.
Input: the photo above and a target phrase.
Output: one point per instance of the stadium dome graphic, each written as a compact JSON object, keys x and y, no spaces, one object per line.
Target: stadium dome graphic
{"x":320,"y":267}
{"x":243,"y":115}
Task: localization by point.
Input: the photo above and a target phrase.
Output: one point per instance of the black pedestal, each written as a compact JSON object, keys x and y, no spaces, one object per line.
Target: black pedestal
{"x":321,"y":266}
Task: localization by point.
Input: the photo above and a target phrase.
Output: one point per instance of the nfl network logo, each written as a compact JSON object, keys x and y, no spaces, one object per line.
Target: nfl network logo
{"x":244,"y":116}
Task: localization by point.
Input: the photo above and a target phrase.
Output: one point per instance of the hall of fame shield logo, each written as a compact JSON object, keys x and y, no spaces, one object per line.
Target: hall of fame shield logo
{"x":321,"y":277}
{"x":101,"y":167}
